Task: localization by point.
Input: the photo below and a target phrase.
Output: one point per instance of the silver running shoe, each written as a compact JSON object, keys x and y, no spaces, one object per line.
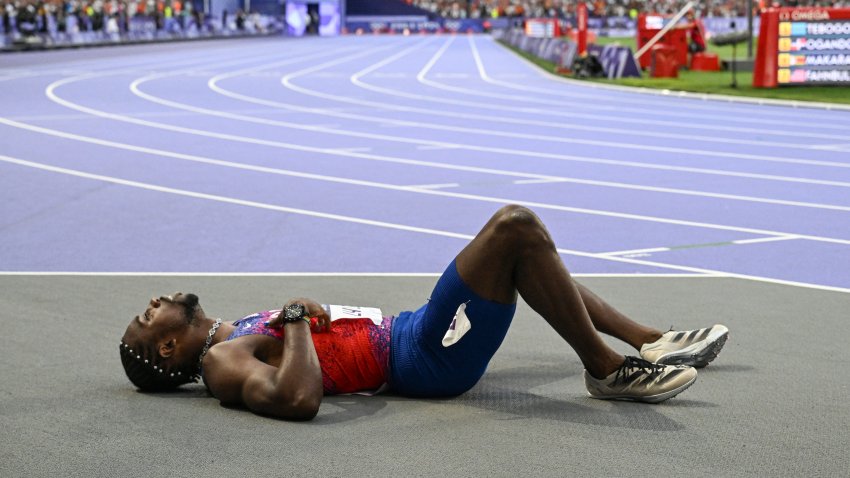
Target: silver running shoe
{"x":689,"y":347}
{"x":641,"y":381}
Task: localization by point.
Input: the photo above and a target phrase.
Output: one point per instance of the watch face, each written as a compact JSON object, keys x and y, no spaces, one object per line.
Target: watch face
{"x":294,"y":311}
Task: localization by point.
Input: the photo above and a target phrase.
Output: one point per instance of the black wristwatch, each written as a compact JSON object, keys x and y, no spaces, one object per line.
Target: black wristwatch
{"x":294,"y":313}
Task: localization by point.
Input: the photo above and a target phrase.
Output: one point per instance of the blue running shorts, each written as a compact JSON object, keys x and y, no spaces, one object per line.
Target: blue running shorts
{"x":420,"y":366}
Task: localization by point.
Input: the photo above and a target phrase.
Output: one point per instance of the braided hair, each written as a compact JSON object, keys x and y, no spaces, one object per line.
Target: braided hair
{"x":149,"y":374}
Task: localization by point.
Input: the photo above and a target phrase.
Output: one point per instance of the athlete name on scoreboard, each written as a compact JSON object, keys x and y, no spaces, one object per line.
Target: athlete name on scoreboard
{"x":813,"y":48}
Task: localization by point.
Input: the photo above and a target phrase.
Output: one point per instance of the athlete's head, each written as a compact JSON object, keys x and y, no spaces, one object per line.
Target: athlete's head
{"x":161,"y":347}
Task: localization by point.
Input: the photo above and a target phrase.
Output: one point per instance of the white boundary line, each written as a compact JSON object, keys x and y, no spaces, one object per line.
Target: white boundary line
{"x":764,"y":239}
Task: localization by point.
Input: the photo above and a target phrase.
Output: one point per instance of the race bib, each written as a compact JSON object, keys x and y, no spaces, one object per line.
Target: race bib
{"x":342,"y":312}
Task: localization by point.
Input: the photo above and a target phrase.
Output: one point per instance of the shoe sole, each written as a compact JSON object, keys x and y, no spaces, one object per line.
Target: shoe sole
{"x":649,"y":398}
{"x":699,"y":354}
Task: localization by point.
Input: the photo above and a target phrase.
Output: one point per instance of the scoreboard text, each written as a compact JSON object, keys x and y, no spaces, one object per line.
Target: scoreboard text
{"x":803,"y":46}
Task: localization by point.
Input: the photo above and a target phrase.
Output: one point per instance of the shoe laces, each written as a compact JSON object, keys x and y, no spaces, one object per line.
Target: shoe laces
{"x":633,"y":364}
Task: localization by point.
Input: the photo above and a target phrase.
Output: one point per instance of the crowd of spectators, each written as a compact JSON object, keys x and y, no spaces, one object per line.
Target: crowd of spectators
{"x":111,"y":16}
{"x":598,"y":8}
{"x":30,"y":17}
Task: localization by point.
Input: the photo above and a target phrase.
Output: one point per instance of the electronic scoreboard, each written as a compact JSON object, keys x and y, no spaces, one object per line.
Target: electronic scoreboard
{"x":803,"y":46}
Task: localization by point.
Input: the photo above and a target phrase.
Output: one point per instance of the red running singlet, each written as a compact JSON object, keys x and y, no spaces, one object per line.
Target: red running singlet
{"x":354,"y":354}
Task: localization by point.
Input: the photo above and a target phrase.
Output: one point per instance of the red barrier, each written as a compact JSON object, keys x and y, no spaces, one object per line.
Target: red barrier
{"x":705,"y":62}
{"x":649,"y":25}
{"x":581,"y":20}
{"x":664,"y":63}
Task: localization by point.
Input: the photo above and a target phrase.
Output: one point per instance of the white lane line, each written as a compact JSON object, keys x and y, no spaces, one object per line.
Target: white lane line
{"x":834,"y":147}
{"x":636,"y":251}
{"x":765,"y":239}
{"x":453,"y":76}
{"x":382,"y":224}
{"x":436,"y":186}
{"x":538,"y":181}
{"x":757,"y":240}
{"x":496,"y":200}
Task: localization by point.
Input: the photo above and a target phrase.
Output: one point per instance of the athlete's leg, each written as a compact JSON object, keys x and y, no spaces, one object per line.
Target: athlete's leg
{"x":610,"y":321}
{"x":696,"y":348}
{"x":514,"y":253}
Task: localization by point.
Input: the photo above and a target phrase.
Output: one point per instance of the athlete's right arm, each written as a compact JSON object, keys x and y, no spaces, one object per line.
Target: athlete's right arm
{"x":292,"y":391}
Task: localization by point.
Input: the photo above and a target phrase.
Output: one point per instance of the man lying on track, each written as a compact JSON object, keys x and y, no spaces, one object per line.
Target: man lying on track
{"x":281,"y":363}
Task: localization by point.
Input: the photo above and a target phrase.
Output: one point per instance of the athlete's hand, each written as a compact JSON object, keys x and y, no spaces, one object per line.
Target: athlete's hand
{"x":316,"y":311}
{"x":313,"y":309}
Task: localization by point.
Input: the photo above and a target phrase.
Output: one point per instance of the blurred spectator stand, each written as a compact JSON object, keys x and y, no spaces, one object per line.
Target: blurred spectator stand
{"x":705,"y":61}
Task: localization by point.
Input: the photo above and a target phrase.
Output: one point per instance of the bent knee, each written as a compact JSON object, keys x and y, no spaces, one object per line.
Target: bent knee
{"x":521,"y":223}
{"x":514,"y":213}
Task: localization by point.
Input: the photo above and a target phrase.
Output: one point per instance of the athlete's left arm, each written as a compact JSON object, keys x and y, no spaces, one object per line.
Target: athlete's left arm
{"x":293,"y":390}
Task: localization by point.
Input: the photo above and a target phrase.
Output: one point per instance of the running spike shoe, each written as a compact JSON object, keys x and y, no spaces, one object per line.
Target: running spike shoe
{"x":641,"y":381}
{"x":695,"y":348}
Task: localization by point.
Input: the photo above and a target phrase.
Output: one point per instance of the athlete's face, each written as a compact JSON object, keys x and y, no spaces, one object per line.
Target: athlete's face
{"x":163,"y":316}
